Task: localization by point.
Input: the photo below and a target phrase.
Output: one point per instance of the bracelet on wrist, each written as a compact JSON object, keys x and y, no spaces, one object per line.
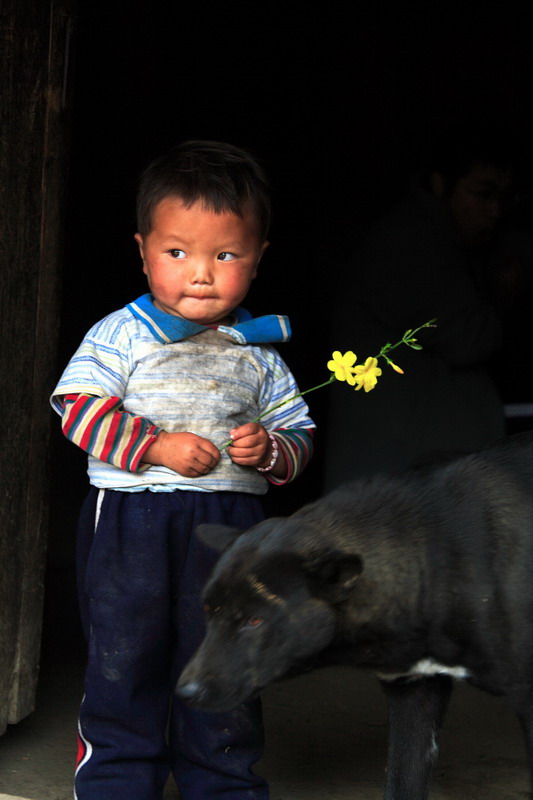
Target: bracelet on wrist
{"x":275,"y":453}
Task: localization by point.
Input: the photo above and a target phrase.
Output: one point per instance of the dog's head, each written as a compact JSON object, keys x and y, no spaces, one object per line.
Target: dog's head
{"x":268,"y":610}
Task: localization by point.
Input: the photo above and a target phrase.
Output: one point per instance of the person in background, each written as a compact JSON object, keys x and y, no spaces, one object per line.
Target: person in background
{"x":442,"y":251}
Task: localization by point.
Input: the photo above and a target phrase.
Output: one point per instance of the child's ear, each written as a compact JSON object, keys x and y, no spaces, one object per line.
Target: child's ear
{"x":139,"y":239}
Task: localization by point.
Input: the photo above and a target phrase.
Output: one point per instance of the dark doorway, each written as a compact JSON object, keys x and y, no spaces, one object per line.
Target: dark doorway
{"x":338,"y":106}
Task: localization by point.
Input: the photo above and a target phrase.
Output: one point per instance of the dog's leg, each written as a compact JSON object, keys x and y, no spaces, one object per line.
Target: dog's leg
{"x":416,"y":712}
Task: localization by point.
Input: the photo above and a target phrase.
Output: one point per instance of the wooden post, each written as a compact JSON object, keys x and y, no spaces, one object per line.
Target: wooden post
{"x":34,"y":37}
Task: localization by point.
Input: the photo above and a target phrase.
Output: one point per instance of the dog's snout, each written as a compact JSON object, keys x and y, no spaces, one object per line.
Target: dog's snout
{"x":191,"y":691}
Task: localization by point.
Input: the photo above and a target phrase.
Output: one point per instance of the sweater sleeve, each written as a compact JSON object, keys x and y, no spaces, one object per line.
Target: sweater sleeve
{"x":101,"y":427}
{"x":297,"y":447}
{"x":285,"y":415}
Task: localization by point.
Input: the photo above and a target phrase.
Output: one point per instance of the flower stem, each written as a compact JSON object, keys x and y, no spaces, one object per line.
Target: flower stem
{"x":274,"y":408}
{"x":407,"y":339}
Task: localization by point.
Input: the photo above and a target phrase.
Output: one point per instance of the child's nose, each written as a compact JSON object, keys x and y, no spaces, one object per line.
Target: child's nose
{"x":201,"y":271}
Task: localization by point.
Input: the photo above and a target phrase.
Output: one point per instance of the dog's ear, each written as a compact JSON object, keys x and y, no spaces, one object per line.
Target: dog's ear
{"x":219,"y":537}
{"x":333,"y":574}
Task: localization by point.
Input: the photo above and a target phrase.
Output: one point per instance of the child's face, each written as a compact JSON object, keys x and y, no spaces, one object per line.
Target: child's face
{"x":199,"y":264}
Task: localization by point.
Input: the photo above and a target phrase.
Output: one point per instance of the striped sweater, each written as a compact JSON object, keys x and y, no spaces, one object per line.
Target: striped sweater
{"x":101,"y":427}
{"x":124,"y":385}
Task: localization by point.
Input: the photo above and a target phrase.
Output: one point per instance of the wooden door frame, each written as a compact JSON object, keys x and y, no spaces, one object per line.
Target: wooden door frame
{"x":34,"y":46}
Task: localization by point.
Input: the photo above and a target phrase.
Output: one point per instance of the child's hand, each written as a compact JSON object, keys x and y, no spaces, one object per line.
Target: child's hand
{"x":251,"y":446}
{"x":186,"y":453}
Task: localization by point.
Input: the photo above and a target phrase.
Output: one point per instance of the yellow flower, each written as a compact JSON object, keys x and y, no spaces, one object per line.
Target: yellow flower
{"x":396,"y":368}
{"x":367,"y":375}
{"x":343,"y":366}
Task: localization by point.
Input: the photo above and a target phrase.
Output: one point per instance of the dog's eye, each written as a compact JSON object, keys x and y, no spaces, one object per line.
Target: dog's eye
{"x":252,"y":622}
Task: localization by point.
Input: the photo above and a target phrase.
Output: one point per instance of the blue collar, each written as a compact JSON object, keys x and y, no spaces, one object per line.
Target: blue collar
{"x":167,"y":328}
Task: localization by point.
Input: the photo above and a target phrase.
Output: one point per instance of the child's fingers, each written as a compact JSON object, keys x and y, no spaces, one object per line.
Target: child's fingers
{"x":248,"y":430}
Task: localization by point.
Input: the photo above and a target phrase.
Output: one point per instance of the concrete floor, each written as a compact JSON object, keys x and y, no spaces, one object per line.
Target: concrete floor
{"x":326,"y":733}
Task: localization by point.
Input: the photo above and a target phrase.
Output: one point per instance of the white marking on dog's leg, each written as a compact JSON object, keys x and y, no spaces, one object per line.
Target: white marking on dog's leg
{"x":426,"y":668}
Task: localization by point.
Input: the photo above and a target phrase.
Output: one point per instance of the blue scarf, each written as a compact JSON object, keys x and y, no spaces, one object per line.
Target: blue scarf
{"x":167,"y":328}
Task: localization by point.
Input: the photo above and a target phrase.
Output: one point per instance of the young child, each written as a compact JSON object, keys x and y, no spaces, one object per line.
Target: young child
{"x":153,"y":393}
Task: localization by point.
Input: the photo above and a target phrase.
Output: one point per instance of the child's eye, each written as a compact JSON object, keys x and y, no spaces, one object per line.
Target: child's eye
{"x":177,"y":253}
{"x":226,"y":256}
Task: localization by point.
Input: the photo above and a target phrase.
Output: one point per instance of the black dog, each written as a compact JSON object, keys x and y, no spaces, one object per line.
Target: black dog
{"x":419,"y":577}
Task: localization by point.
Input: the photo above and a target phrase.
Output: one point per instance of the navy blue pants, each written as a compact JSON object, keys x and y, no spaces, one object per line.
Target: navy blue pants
{"x":140,"y":575}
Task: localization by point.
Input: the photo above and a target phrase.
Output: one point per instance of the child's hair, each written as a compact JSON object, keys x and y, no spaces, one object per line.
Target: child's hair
{"x":223,"y":177}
